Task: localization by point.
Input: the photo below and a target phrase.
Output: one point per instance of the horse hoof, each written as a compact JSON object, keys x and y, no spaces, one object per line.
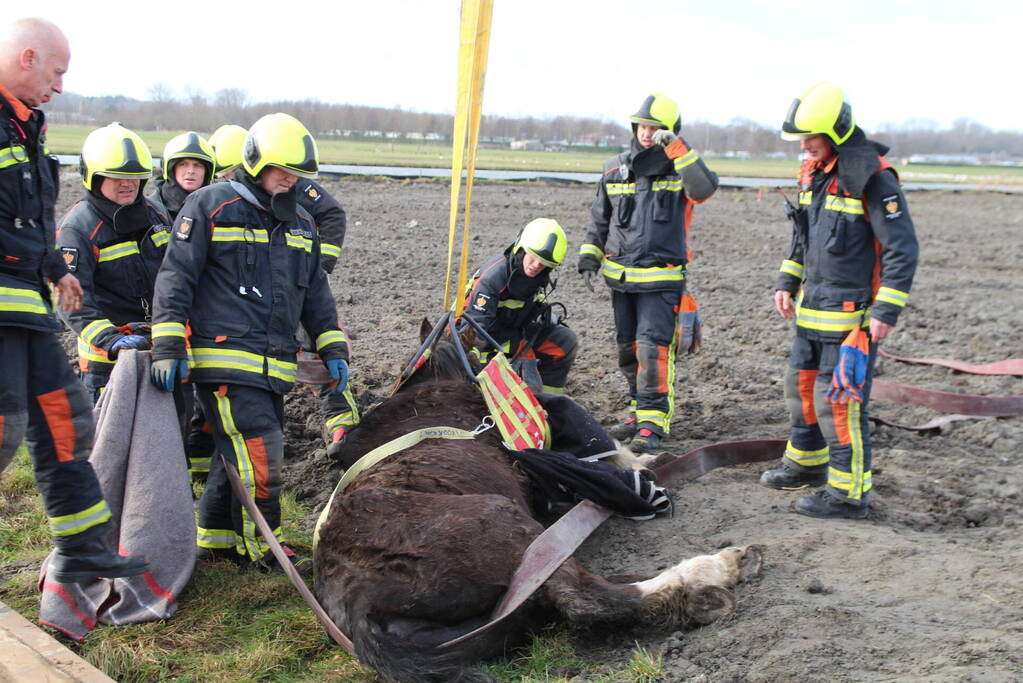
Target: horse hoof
{"x":706,"y":604}
{"x":751,"y":562}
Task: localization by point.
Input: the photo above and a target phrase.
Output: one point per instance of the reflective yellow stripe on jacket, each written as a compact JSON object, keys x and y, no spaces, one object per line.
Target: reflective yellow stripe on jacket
{"x":331,"y":337}
{"x":299,"y":242}
{"x":17,"y":300}
{"x":620,"y":188}
{"x":223,"y":233}
{"x":591,"y":250}
{"x":834,"y":202}
{"x":116,"y":251}
{"x":232,"y":359}
{"x":330,"y":250}
{"x":793,"y":268}
{"x":828,"y":321}
{"x":168,"y":330}
{"x":96,"y":328}
{"x":642,"y":275}
{"x":15,"y":154}
{"x":892,"y":296}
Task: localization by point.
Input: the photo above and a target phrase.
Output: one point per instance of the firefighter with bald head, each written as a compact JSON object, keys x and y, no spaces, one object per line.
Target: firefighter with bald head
{"x":845,"y":281}
{"x":42,"y":402}
{"x":637,"y":241}
{"x":509,"y":297}
{"x":243,"y":270}
{"x":113,"y":240}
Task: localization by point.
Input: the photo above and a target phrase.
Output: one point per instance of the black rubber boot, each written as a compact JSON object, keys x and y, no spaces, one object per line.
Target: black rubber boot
{"x":92,"y":560}
{"x":623,"y":431}
{"x":825,"y":506}
{"x":790,"y":478}
{"x":645,"y":441}
{"x":269,"y":563}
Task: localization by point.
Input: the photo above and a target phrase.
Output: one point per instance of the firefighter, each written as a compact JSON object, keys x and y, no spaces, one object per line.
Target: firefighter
{"x":508,"y":296}
{"x":113,"y":240}
{"x":636,"y":239}
{"x":42,"y":401}
{"x":188,"y":164}
{"x":242,"y":268}
{"x":339,"y":411}
{"x":845,"y":281}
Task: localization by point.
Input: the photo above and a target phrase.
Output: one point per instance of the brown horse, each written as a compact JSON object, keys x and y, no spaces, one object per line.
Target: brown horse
{"x":419,"y":548}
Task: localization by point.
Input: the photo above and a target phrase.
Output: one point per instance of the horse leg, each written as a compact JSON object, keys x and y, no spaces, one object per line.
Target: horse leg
{"x":696,"y":591}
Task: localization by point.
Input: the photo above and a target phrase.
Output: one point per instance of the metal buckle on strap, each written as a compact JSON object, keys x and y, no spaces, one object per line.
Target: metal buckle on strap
{"x":487,"y":423}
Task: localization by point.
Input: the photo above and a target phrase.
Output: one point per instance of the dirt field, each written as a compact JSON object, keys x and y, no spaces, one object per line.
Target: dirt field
{"x":929,"y":587}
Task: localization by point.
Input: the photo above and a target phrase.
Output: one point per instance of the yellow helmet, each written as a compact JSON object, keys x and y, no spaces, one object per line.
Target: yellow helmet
{"x":115,"y":152}
{"x":280,"y":140}
{"x":544,"y":239}
{"x":821,"y":110}
{"x":228,"y":141}
{"x":658,"y":110}
{"x":188,"y":145}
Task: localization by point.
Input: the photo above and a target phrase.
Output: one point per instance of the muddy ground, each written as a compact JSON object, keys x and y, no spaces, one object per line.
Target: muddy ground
{"x":929,"y":587}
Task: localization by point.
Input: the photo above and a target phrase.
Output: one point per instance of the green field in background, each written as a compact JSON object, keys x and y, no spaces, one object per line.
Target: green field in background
{"x":68,"y":140}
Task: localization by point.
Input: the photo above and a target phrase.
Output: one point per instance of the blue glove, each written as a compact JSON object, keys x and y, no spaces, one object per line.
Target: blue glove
{"x":339,"y":371}
{"x":851,"y":370}
{"x":166,"y":373}
{"x":129,"y":341}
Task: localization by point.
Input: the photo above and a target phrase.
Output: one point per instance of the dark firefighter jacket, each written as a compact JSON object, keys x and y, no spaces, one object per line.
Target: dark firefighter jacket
{"x":640,"y":219}
{"x":503,"y":299}
{"x":243,"y":270}
{"x":115,"y":252}
{"x":854,"y":252}
{"x":171,"y":195}
{"x":28,"y":192}
{"x":330,"y":220}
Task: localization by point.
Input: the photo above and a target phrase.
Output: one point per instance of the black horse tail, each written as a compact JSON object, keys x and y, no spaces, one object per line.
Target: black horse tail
{"x":404,"y":651}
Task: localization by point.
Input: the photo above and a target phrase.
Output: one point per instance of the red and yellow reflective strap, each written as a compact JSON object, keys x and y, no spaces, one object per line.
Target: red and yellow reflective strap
{"x":77,"y":522}
{"x":18,"y":300}
{"x":614,"y":271}
{"x":892,"y":296}
{"x":330,"y":337}
{"x":793,"y":268}
{"x":116,"y":251}
{"x":161,"y":330}
{"x":520,"y":418}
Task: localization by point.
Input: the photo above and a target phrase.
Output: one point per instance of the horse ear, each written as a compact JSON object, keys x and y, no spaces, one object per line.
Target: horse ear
{"x":425,"y":328}
{"x":468,"y":337}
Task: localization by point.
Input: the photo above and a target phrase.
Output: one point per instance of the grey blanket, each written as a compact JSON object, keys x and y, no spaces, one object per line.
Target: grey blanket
{"x":140,"y":462}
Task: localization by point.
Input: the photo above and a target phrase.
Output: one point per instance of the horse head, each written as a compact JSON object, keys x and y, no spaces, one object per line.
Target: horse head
{"x":441,"y":355}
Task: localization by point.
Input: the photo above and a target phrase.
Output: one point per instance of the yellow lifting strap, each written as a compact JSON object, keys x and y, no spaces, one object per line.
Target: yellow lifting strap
{"x":388,"y":449}
{"x":473,"y":48}
{"x":520,"y":418}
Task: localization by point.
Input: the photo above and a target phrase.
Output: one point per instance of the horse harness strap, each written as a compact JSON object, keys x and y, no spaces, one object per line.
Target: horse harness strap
{"x":390,"y":448}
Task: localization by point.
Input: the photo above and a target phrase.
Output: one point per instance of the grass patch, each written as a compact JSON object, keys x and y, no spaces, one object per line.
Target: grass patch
{"x":240,"y":624}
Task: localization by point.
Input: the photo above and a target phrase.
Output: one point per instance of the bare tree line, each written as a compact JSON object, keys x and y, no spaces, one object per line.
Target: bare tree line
{"x":966,"y":139}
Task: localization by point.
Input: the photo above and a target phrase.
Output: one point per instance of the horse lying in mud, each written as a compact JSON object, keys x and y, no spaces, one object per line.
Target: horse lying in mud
{"x":419,"y":548}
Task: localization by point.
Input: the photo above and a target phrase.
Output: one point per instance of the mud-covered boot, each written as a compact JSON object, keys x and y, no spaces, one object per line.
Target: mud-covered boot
{"x":92,"y":560}
{"x":336,"y":441}
{"x":789,"y":478}
{"x":623,"y":431}
{"x":824,"y":505}
{"x":269,"y":563}
{"x":645,"y":441}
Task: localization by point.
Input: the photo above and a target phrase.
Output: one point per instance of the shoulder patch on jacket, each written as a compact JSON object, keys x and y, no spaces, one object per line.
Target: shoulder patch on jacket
{"x":70,"y":255}
{"x":184,"y":231}
{"x":892,"y":206}
{"x":480,"y":302}
{"x":311,"y":192}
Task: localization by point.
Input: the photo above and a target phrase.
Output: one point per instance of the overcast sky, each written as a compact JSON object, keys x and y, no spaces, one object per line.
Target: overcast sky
{"x":897,"y":60}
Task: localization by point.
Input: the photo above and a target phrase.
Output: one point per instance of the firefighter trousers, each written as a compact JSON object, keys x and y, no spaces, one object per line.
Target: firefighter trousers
{"x":43,"y":402}
{"x":835,"y":436}
{"x":554,"y":350}
{"x":247,"y":425}
{"x":645,"y":331}
{"x":337,"y":410}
